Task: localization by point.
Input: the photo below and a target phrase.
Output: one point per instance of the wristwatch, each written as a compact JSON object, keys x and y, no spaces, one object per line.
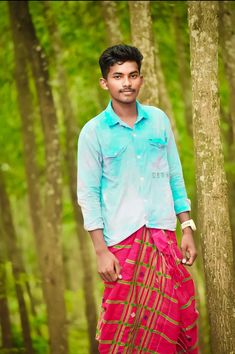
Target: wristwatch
{"x":188,"y":223}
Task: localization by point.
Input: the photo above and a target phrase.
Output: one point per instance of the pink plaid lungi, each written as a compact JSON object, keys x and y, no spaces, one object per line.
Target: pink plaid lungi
{"x":152,"y":308}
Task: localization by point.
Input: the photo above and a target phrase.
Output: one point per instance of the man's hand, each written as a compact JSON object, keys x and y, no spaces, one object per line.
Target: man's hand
{"x":108,"y":266}
{"x":188,"y":247}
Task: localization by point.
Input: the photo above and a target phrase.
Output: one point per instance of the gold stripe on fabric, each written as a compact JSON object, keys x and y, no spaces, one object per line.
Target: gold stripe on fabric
{"x":164,"y":336}
{"x":157,"y":304}
{"x":151,"y":310}
{"x":144,"y":294}
{"x":125,"y":282}
{"x":146,"y":243}
{"x":121,"y":246}
{"x":189,"y":349}
{"x":190,"y":327}
{"x":131,"y":295}
{"x":109,"y":286}
{"x":186,"y":279}
{"x":188,"y":303}
{"x":129,"y":346}
{"x":130,"y":261}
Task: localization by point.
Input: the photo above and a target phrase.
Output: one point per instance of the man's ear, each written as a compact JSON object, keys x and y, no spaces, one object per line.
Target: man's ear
{"x":142,"y":79}
{"x":103,"y":84}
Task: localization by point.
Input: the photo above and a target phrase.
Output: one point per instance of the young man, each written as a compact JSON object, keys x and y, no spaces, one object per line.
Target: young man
{"x":130,"y":189}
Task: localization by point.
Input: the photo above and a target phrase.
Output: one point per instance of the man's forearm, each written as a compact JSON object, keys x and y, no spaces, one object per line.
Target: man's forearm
{"x":97,"y":237}
{"x":184,"y":216}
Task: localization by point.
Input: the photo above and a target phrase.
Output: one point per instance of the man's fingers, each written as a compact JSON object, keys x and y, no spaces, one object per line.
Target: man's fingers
{"x":193,"y":256}
{"x":117,"y":268}
{"x":103,"y":277}
{"x":183,"y":250}
{"x":111,"y":275}
{"x":106,"y":276}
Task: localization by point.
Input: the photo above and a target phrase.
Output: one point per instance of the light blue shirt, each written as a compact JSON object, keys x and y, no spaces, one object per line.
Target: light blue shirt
{"x":129,"y":177}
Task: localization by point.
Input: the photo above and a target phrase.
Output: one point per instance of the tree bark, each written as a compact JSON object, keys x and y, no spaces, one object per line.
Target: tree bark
{"x":142,"y":38}
{"x":164,"y":99}
{"x":5,"y":322}
{"x":70,"y":159}
{"x":13,"y":255}
{"x":215,"y":230}
{"x":154,"y":91}
{"x":227,"y":43}
{"x":111,"y":22}
{"x":46,"y":221}
{"x":227,"y":39}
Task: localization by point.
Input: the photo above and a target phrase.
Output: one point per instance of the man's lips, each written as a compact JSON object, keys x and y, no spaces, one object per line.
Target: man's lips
{"x":127,"y":91}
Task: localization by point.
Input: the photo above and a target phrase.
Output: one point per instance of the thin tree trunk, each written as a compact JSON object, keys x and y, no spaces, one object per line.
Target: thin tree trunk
{"x":5,"y":322}
{"x":46,"y":231}
{"x":70,"y":159}
{"x":227,"y":39}
{"x":111,"y":22}
{"x":164,"y":99}
{"x":212,"y":192}
{"x":142,"y":38}
{"x":184,"y":69}
{"x":13,"y":255}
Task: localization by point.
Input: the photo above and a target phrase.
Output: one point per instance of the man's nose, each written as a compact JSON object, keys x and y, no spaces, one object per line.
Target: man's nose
{"x":126,"y":81}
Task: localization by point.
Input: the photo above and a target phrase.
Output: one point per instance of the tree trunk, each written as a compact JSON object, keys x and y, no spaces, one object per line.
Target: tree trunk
{"x":111,"y":22}
{"x":5,"y":322}
{"x":142,"y":38}
{"x":70,"y":158}
{"x":164,"y":99}
{"x":154,"y":91}
{"x":211,"y":181}
{"x":183,"y":68}
{"x":46,"y":231}
{"x":13,"y":255}
{"x":227,"y":39}
{"x":227,"y":43}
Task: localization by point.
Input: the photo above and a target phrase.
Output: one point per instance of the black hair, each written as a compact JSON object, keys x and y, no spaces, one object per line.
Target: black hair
{"x":119,"y":54}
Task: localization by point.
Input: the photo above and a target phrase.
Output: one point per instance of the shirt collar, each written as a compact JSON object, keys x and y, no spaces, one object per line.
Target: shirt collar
{"x":112,"y":118}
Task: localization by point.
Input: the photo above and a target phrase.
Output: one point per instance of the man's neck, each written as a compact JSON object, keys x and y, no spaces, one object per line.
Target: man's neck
{"x":125,"y":111}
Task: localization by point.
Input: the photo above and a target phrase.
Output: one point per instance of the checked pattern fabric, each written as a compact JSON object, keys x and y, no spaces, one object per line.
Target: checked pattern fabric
{"x":152,"y":308}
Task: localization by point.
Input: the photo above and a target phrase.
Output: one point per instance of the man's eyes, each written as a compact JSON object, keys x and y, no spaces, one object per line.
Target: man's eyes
{"x":132,"y":76}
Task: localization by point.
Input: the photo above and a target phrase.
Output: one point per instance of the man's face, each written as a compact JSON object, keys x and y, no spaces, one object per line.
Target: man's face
{"x":123,"y":82}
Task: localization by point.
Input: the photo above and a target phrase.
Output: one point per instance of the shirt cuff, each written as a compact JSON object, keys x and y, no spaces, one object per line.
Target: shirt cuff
{"x":97,"y":224}
{"x":181,"y":205}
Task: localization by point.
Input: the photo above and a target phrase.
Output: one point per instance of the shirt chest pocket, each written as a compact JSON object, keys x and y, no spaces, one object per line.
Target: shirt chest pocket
{"x":157,"y":154}
{"x":114,"y":159}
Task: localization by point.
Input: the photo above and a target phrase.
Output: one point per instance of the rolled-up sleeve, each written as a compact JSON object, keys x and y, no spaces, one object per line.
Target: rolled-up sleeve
{"x":181,"y":201}
{"x":89,"y":171}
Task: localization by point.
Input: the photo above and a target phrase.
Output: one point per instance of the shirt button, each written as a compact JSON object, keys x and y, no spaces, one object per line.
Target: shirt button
{"x":142,"y":178}
{"x":138,"y":156}
{"x":133,"y":134}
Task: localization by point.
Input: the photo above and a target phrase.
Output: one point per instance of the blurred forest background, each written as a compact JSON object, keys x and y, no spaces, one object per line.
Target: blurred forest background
{"x":50,"y":292}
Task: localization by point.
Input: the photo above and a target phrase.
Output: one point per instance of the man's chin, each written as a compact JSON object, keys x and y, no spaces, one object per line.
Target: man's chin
{"x":127,"y":100}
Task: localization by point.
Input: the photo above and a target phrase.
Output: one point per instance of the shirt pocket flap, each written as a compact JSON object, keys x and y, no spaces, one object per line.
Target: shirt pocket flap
{"x":158,"y":142}
{"x":114,"y":151}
